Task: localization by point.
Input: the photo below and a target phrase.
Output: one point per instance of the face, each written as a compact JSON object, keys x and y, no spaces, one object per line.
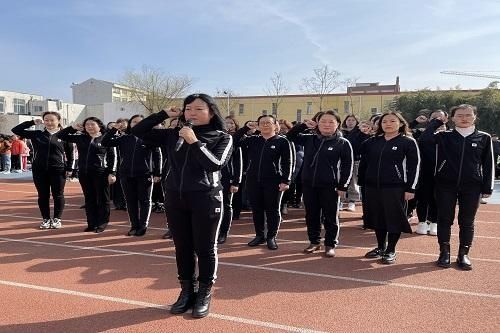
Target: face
{"x":267,"y":125}
{"x":135,"y":121}
{"x":124,"y":124}
{"x":327,"y":125}
{"x":92,"y":127}
{"x":111,"y":125}
{"x":390,"y":124}
{"x":198,"y":112}
{"x":464,"y":118}
{"x":230,"y":125}
{"x":50,"y":122}
{"x":350,"y":122}
{"x":365,"y":128}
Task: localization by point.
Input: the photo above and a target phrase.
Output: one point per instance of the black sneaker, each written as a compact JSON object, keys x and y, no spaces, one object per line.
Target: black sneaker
{"x":389,"y":258}
{"x":258,"y":240}
{"x":376,"y":253}
{"x":141,"y":231}
{"x":132,"y":232}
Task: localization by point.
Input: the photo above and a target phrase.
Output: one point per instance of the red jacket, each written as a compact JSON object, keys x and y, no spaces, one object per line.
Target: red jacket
{"x":17,"y":147}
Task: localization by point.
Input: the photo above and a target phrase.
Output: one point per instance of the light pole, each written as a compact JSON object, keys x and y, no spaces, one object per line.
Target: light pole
{"x":228,"y":94}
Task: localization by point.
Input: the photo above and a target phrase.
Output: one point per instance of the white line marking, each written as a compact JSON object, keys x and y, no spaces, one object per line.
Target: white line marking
{"x":155,"y":306}
{"x":270,"y":269}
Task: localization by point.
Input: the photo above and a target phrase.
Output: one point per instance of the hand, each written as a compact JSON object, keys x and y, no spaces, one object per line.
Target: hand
{"x":77,"y":126}
{"x":341,"y":194}
{"x":156,"y":179}
{"x":484,"y":196}
{"x":284,"y":187}
{"x":444,"y":119}
{"x":233,"y":189}
{"x":409,"y":196}
{"x":252,"y":126}
{"x":188,"y":135}
{"x":120,"y":126}
{"x":68,"y":174}
{"x":38,"y":121}
{"x":174,"y":112}
{"x":111,"y":179}
{"x":421,"y":119}
{"x":310,"y":124}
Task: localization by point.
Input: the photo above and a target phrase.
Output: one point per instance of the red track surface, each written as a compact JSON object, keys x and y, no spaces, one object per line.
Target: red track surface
{"x":69,"y":281}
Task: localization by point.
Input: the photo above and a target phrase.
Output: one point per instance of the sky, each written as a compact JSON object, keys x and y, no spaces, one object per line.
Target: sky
{"x":45,"y":46}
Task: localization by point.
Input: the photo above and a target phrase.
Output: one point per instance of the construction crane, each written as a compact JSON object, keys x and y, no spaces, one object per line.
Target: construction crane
{"x":475,"y":74}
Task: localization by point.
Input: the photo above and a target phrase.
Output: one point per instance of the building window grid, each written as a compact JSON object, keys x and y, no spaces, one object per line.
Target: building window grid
{"x":19,"y":106}
{"x":241,"y":109}
{"x":299,"y":115}
{"x":309,"y":108}
{"x":2,"y":104}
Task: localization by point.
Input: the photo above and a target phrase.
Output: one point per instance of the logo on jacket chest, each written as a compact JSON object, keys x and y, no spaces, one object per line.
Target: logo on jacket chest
{"x":394,"y":148}
{"x":330,"y":148}
{"x":474,"y":144}
{"x":273,"y":147}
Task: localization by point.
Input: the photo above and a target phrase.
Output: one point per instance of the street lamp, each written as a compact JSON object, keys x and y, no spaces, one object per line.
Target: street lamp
{"x":228,"y":94}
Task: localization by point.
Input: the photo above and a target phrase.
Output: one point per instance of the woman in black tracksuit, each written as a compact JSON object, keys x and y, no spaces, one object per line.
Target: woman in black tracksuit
{"x":97,"y":167}
{"x":388,"y":170}
{"x":231,"y":180}
{"x":193,"y":193}
{"x":140,"y":165}
{"x":53,"y":158}
{"x":464,"y":172}
{"x":326,"y":173}
{"x":269,"y":172}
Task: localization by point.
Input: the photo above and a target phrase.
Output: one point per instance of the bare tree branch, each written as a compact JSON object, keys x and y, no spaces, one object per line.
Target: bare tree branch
{"x":324,"y":81}
{"x":277,"y":90}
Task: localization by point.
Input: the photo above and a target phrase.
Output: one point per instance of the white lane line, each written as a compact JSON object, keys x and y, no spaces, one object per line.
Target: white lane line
{"x":239,"y":320}
{"x":282,"y":240}
{"x":270,"y":269}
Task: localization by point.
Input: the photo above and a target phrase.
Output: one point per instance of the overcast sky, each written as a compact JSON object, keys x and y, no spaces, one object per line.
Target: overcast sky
{"x":237,"y":45}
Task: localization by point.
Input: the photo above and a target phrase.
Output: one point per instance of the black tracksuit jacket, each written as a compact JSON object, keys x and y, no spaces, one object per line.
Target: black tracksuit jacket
{"x":269,"y":161}
{"x":233,"y":170}
{"x":461,"y":162}
{"x":93,"y":156}
{"x":393,"y":163}
{"x":211,"y":152}
{"x":137,"y":158}
{"x":50,"y":152}
{"x":328,"y":161}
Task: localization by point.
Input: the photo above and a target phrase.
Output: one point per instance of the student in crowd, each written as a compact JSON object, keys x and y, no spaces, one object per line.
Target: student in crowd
{"x":196,"y":154}
{"x":53,"y":161}
{"x":97,"y":168}
{"x":116,"y":190}
{"x":269,"y":172}
{"x":389,"y":167}
{"x":464,"y":173}
{"x":16,"y":150}
{"x":231,"y":179}
{"x":327,"y":171}
{"x":424,"y":196}
{"x":140,"y":167}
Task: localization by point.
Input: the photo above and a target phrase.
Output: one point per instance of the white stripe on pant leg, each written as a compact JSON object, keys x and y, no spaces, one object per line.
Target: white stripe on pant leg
{"x":231,"y":204}
{"x":336,"y":241}
{"x":279,"y":213}
{"x":217,"y":236}
{"x":150,"y":201}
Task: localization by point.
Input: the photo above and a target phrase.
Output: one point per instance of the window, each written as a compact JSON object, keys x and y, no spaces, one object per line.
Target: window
{"x":116,"y":91}
{"x":309,"y":107}
{"x":299,"y":115}
{"x":275,"y":109}
{"x":116,"y":99}
{"x":264,"y":112}
{"x":2,"y":104}
{"x":19,"y":106}
{"x":124,"y":99}
{"x":241,"y":109}
{"x":346,"y":107}
{"x":374,"y":110}
{"x":37,"y":108}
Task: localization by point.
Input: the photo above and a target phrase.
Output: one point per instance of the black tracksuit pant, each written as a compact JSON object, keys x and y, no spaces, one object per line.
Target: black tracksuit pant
{"x":46,"y":182}
{"x":227,"y":218}
{"x":194,"y":219}
{"x":95,"y":189}
{"x":468,"y":203}
{"x":265,"y":200}
{"x":138,"y":191}
{"x":321,"y":204}
{"x":426,"y":203}
{"x":117,"y":195}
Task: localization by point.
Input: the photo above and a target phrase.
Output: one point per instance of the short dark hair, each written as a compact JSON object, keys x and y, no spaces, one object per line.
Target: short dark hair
{"x":329,"y":112}
{"x":267,"y":116}
{"x":405,"y":129}
{"x":130,"y":121}
{"x":349,"y":116}
{"x":463,"y":106}
{"x":94,"y":119}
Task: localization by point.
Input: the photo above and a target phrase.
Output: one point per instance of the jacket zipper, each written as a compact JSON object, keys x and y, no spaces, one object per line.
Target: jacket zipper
{"x":88,"y":153}
{"x":48,"y":152}
{"x":260,"y":160}
{"x":133,"y":157}
{"x":379,"y":162}
{"x":461,"y":162}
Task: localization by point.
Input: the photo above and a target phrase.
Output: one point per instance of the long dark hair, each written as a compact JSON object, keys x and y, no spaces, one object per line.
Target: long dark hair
{"x":130,"y":121}
{"x":217,"y":121}
{"x":98,"y":121}
{"x":404,"y":129}
{"x":343,"y":125}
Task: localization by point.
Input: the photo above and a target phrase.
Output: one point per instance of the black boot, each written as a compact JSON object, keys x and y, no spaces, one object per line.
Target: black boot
{"x":444,"y":255}
{"x":186,"y":297}
{"x":463,"y":260}
{"x":202,"y":304}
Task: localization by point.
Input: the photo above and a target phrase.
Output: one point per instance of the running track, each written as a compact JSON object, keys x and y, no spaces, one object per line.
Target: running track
{"x":69,"y":281}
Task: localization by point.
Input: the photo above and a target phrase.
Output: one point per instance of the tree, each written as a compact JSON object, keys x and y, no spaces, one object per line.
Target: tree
{"x":277,"y":90}
{"x":227,"y":101}
{"x":324,"y":81}
{"x":155,"y":89}
{"x":350,"y":82}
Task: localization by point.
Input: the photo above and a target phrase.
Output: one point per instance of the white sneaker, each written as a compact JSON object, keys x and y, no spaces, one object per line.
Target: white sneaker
{"x":351,"y":207}
{"x":422,"y":228}
{"x":6,"y":172}
{"x":284,"y":210}
{"x":433,"y":229}
{"x":56,"y":223}
{"x":45,"y":224}
{"x":483,"y":201}
{"x":341,"y":206}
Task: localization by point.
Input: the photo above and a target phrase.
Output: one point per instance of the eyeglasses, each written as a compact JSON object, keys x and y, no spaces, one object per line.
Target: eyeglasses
{"x":266,"y":123}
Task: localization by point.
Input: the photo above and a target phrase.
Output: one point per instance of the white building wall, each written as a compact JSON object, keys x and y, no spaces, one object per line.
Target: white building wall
{"x":9,"y":96}
{"x":8,"y":121}
{"x":92,"y":91}
{"x":113,"y":111}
